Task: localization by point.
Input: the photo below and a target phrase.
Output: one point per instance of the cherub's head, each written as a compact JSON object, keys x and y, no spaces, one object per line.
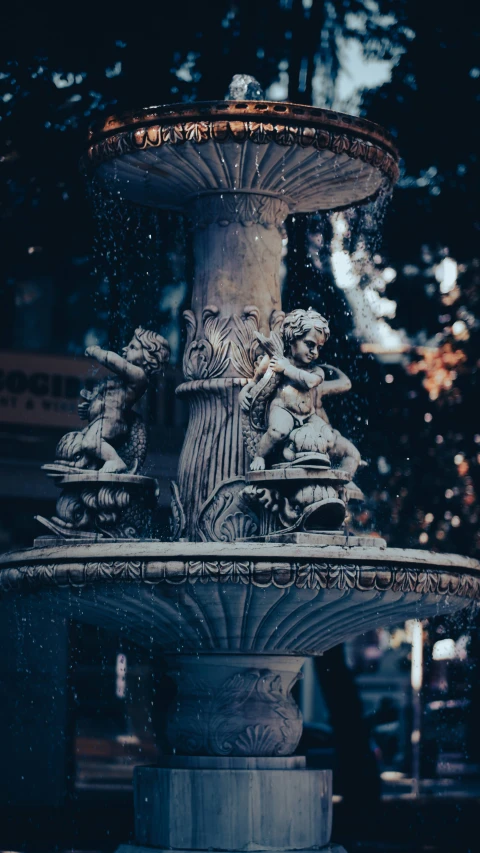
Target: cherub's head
{"x":148,"y":350}
{"x":304,"y":334}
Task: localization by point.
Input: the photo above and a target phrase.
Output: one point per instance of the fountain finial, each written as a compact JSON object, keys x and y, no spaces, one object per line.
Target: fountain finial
{"x":244,"y":88}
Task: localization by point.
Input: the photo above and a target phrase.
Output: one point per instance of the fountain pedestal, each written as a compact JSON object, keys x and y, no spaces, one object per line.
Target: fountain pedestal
{"x":236,"y":290}
{"x":233,"y":804}
{"x":233,"y":728}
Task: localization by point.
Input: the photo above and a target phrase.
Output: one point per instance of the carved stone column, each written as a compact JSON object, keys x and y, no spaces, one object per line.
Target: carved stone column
{"x":237,"y":245}
{"x":236,"y":291}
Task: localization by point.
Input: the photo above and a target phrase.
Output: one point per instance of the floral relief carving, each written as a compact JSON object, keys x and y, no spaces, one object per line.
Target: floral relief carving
{"x":343,"y":577}
{"x":310,"y":575}
{"x":405,"y":580}
{"x":206,"y":358}
{"x":245,"y":349}
{"x":116,"y":571}
{"x":226,"y":340}
{"x":203,"y":571}
{"x":223,"y":721}
{"x":200,"y":132}
{"x":235,"y":572}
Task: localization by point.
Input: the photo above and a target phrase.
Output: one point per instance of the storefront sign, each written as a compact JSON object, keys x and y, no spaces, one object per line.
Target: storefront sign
{"x":43,"y":390}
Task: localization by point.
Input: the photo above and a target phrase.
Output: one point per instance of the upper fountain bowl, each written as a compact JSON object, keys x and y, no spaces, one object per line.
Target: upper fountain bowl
{"x":312,"y":159}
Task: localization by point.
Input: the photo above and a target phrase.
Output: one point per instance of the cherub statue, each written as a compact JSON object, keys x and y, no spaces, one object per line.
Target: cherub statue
{"x":284,"y":399}
{"x":114,"y":440}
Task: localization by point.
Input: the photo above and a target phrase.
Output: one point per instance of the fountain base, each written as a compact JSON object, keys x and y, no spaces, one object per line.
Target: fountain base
{"x":233,"y":804}
{"x":137,"y":848}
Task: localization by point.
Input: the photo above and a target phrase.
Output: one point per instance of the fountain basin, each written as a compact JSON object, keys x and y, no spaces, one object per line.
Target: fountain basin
{"x":235,"y":622}
{"x":244,"y":597}
{"x":310,"y":158}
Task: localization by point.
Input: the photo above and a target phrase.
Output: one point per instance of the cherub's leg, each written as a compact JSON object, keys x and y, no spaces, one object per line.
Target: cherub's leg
{"x":280,"y":425}
{"x":323,"y":428}
{"x":347,"y":452}
{"x":95,"y":443}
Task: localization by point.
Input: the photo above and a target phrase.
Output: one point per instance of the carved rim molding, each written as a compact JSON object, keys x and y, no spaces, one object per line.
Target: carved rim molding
{"x":258,"y":121}
{"x":334,"y":568}
{"x":265,"y":111}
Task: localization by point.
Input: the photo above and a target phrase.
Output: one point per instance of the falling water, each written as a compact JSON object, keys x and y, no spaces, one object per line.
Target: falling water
{"x":139,"y":257}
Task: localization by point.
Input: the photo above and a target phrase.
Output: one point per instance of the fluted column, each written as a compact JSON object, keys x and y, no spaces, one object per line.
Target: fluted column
{"x":236,"y":292}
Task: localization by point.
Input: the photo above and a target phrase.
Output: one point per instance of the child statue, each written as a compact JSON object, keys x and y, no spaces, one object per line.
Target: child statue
{"x":284,"y":398}
{"x":108,"y":408}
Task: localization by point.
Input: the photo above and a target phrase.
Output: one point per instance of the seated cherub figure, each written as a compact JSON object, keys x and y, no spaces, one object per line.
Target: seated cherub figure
{"x":296,"y":422}
{"x":108,"y":407}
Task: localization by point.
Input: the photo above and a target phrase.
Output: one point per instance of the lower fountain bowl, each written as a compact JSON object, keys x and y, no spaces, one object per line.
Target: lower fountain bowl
{"x":244,"y":597}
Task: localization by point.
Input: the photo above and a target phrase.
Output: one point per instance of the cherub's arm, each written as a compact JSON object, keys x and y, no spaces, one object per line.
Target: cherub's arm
{"x":336,"y":386}
{"x":303,"y":379}
{"x":117,"y":364}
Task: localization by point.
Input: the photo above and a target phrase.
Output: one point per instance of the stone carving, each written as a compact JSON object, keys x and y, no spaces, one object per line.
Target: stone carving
{"x":280,"y":402}
{"x":206,"y":358}
{"x":177,"y":518}
{"x":285,"y":424}
{"x":264,"y":573}
{"x":115,"y":440}
{"x":113,"y":505}
{"x":102,"y":493}
{"x":245,"y":208}
{"x":246,"y":349}
{"x":347,"y":139}
{"x":235,"y":511}
{"x":209,"y":357}
{"x":244,"y":87}
{"x":250,"y":713}
{"x":230,"y":342}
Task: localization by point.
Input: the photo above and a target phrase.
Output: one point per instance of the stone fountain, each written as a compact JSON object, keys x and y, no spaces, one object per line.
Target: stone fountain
{"x":260,"y":571}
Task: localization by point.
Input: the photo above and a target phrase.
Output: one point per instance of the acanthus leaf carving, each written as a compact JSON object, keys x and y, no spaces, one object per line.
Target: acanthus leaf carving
{"x":245,"y":350}
{"x":276,"y":320}
{"x":206,"y":358}
{"x":262,"y":574}
{"x":209,"y":356}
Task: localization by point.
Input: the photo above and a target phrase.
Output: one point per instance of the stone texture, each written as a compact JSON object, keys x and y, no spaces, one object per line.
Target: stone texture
{"x":136,"y":848}
{"x":242,"y":810}
{"x":236,"y":157}
{"x":200,"y":598}
{"x":237,"y":246}
{"x":233,"y":762}
{"x":234,"y":705}
{"x":322,"y":540}
{"x":244,"y":597}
